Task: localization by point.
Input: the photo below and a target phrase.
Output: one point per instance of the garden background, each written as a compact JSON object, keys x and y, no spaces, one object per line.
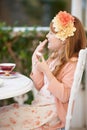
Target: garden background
{"x":31,"y":21}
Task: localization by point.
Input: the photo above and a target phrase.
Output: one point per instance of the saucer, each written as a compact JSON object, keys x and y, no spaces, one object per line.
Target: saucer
{"x":11,"y":75}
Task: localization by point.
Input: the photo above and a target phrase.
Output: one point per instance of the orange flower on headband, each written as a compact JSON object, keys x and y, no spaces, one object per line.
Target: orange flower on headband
{"x":63,"y":24}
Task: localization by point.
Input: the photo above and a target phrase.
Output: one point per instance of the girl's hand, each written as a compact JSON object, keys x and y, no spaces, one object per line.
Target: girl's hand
{"x":43,"y":67}
{"x":41,"y":64}
{"x":39,"y":49}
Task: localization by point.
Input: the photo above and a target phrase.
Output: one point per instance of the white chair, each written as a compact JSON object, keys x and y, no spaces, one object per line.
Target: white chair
{"x":76,"y":118}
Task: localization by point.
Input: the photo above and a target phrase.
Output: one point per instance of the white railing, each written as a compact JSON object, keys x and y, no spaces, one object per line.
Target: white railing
{"x":16,"y":29}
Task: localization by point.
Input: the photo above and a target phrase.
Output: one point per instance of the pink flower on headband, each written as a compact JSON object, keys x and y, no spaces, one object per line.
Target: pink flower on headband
{"x":65,"y":18}
{"x":63,"y":24}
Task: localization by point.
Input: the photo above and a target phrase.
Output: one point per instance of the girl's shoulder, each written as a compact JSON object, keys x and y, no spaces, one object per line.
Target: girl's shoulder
{"x":70,"y":65}
{"x":68,"y":69}
{"x":72,"y":62}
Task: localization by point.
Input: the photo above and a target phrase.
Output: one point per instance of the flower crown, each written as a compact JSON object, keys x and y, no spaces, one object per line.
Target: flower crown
{"x":63,"y":24}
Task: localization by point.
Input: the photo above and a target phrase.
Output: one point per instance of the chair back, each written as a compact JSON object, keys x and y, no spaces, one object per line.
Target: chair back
{"x":77,"y":108}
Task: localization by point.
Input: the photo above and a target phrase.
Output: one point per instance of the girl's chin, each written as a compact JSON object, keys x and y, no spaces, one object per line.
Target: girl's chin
{"x":50,"y":48}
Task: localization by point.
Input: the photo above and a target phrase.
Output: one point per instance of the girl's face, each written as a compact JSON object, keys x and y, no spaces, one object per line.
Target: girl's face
{"x":54,"y":44}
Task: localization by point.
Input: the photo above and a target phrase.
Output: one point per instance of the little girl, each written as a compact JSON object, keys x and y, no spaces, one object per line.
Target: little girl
{"x":52,"y":78}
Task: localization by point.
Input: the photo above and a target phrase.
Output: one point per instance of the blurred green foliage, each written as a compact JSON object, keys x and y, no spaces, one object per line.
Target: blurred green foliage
{"x":18,"y":47}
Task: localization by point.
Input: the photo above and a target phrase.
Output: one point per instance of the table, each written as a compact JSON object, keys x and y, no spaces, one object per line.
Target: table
{"x":15,"y":86}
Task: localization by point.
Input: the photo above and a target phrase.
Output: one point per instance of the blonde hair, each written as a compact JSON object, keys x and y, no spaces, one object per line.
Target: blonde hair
{"x":72,"y":45}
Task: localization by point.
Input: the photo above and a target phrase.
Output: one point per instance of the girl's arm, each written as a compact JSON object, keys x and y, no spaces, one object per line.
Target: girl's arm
{"x":61,"y":90}
{"x":37,"y":78}
{"x":35,"y":75}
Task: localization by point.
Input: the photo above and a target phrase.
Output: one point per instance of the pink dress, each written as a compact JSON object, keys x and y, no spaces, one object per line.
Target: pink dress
{"x":31,"y":117}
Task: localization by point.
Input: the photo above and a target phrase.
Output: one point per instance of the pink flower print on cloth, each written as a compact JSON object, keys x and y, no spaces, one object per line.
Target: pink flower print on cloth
{"x":25,"y":117}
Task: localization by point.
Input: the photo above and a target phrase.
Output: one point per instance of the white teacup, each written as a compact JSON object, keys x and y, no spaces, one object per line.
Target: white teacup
{"x":7,"y":68}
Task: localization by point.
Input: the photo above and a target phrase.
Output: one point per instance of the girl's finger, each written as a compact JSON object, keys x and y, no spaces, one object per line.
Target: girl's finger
{"x":42,"y":58}
{"x":43,"y":43}
{"x":39,"y":54}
